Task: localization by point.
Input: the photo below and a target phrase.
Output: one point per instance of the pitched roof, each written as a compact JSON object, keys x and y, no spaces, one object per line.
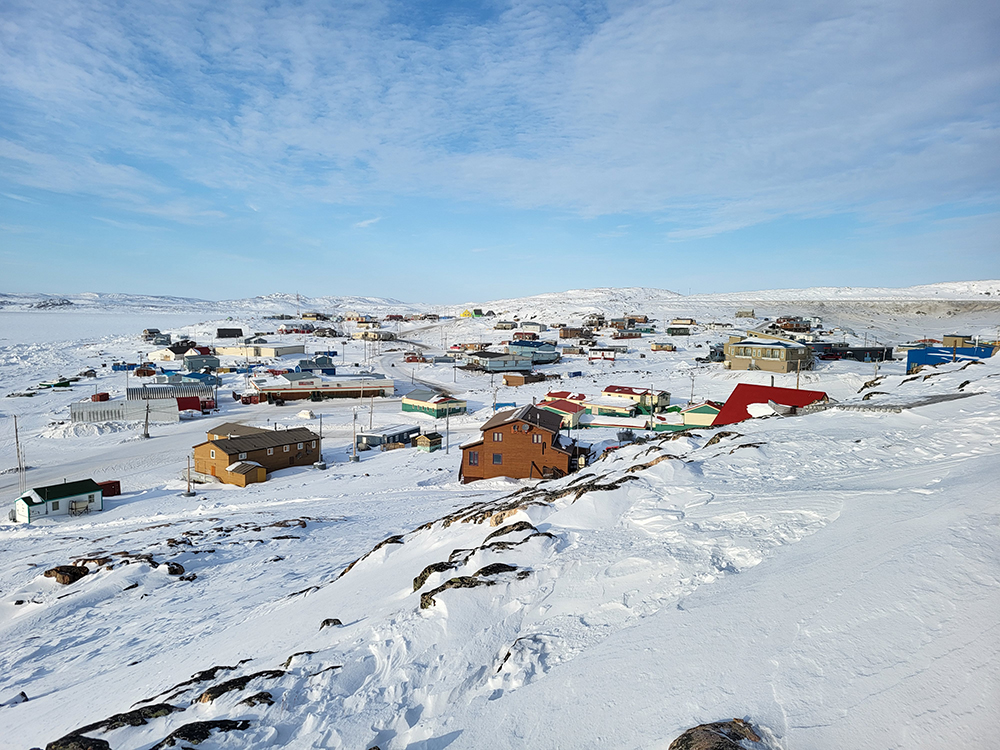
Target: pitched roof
{"x":566,"y":407}
{"x":243,"y":467}
{"x":529,"y":413}
{"x":235,"y":429}
{"x":735,"y":408}
{"x":265,"y":439}
{"x":567,"y":395}
{"x":67,"y":489}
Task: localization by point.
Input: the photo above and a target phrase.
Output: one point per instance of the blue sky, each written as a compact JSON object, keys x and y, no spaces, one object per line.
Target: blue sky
{"x":456,"y":151}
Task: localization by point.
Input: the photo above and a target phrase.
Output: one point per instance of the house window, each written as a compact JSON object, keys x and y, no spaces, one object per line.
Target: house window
{"x":55,"y":505}
{"x":212,"y":453}
{"x":286,"y":448}
{"x":313,"y":443}
{"x":473,"y":458}
{"x":537,"y":438}
{"x":90,"y":498}
{"x":300,"y":446}
{"x":270,"y":451}
{"x":497,"y":438}
{"x":497,"y":459}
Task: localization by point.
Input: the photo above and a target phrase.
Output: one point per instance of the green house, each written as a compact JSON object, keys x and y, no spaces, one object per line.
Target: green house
{"x":433,"y":404}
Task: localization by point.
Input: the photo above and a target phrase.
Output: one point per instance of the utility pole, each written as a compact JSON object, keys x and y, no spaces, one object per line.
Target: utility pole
{"x":188,"y":492}
{"x":21,"y":484}
{"x":447,"y":430}
{"x":798,"y":370}
{"x":145,"y":428}
{"x":354,"y":435}
{"x":371,"y":413}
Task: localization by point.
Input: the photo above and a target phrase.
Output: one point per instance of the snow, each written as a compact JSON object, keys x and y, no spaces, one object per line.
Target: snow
{"x":834,"y":576}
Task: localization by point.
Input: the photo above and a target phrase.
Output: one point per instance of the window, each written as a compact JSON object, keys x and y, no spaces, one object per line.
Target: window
{"x":212,"y":453}
{"x":90,"y":498}
{"x":497,"y":437}
{"x":242,"y":456}
{"x":473,"y":458}
{"x":537,"y":438}
{"x":313,"y":443}
{"x":286,"y":448}
{"x":300,"y":446}
{"x":55,"y":505}
{"x":497,"y":459}
{"x":270,"y":451}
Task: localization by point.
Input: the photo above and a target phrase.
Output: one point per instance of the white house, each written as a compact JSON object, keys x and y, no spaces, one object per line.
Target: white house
{"x":68,"y":498}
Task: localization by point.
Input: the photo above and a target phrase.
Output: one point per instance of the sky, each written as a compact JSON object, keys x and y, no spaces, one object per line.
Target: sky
{"x":453,"y":151}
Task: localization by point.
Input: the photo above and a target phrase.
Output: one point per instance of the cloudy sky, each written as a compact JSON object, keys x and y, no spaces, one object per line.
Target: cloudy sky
{"x":448,"y":151}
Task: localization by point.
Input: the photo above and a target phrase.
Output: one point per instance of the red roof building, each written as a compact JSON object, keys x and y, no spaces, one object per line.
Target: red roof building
{"x":735,"y":408}
{"x":565,"y":396}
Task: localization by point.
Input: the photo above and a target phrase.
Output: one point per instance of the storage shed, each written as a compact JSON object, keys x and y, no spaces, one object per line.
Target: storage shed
{"x":68,"y":498}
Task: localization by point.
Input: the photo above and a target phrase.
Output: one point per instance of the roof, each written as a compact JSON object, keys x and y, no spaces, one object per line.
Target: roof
{"x":529,"y":413}
{"x":567,"y":407}
{"x":429,"y":396}
{"x":710,"y":405}
{"x":530,"y":344}
{"x":430,"y":436}
{"x":627,"y":390}
{"x":155,"y":392}
{"x":66,"y":489}
{"x":391,"y":429}
{"x":568,"y":395}
{"x":265,"y":439}
{"x":243,"y":467}
{"x":235,"y":429}
{"x":735,"y":408}
{"x":753,"y":341}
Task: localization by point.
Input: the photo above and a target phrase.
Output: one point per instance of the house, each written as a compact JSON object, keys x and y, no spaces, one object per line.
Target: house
{"x":437,"y":405}
{"x":682,"y":322}
{"x":174,"y":352}
{"x":498,"y":362}
{"x":793,"y":323}
{"x":160,"y":339}
{"x":773,"y":355}
{"x":540,"y":352}
{"x":746,"y":395}
{"x":678,"y":331}
{"x":646,"y":399}
{"x":605,"y":353}
{"x":632,"y":320}
{"x":522,"y":378}
{"x":301,"y":385}
{"x":66,"y":499}
{"x":627,"y":334}
{"x":569,"y":411}
{"x":203,"y":378}
{"x":662,"y":346}
{"x":228,"y":333}
{"x":595,"y":320}
{"x":522,"y":443}
{"x":314,"y":316}
{"x":505,"y":325}
{"x":746,"y":312}
{"x":525,"y":336}
{"x":195,"y":362}
{"x":428,"y":442}
{"x":618,"y":324}
{"x":247,"y":458}
{"x":718,"y":326}
{"x":610,"y":406}
{"x":384,"y":436}
{"x":297,"y":326}
{"x":701,"y":415}
{"x":233,"y":429}
{"x":573,"y":333}
{"x":374,"y":335}
{"x":644,"y":328}
{"x":149,"y":333}
{"x":533,"y":326}
{"x":321,"y":364}
{"x":245,"y":351}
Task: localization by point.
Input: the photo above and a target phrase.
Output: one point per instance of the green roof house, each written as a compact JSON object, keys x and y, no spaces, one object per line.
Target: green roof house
{"x":68,"y":498}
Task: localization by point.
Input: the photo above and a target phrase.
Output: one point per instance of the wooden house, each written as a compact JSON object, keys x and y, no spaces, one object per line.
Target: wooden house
{"x":428,"y":442}
{"x":505,"y":325}
{"x":522,"y":378}
{"x":522,"y":443}
{"x":248,"y":456}
{"x":646,"y":399}
{"x":228,"y":333}
{"x":772,"y":355}
{"x":678,"y":331}
{"x":531,"y":325}
{"x":682,"y":322}
{"x":381,"y":437}
{"x":662,"y":346}
{"x":701,"y":415}
{"x":68,"y":498}
{"x":569,"y":411}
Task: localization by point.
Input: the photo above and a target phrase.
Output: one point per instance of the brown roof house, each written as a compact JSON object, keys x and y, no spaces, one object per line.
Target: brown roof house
{"x":243,"y":455}
{"x":521,"y":443}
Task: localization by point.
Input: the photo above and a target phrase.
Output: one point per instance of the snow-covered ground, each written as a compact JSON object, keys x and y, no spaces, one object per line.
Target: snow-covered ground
{"x":834,"y":577}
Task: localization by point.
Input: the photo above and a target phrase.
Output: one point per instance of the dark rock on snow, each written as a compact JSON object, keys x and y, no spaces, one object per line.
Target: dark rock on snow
{"x":330,"y":622}
{"x":257,"y":699}
{"x":67,"y":574}
{"x":721,"y":735}
{"x":199,"y":731}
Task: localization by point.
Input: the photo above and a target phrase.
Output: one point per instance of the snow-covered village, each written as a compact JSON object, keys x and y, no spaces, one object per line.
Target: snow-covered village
{"x":584,"y":519}
{"x":499,"y":375}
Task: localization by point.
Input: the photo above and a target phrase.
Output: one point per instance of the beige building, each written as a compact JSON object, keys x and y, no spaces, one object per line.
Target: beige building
{"x":260,"y":350}
{"x":773,"y":355}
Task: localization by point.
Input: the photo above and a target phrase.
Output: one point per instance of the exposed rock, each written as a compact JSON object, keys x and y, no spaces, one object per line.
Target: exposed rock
{"x":871,"y":383}
{"x":300,"y":522}
{"x":514,"y":527}
{"x":199,"y":731}
{"x":236,"y":684}
{"x":719,"y":436}
{"x":438,"y":567}
{"x":134,"y":718}
{"x":286,"y":536}
{"x":869,"y":396}
{"x":257,"y":699}
{"x":188,"y":577}
{"x":649,"y":464}
{"x":746,"y":445}
{"x":67,"y":574}
{"x":77,"y":742}
{"x":722,"y":735}
{"x":330,"y":622}
{"x":288,"y":661}
{"x":174,"y":569}
{"x":479,"y":578}
{"x":204,"y":676}
{"x":21,"y":697}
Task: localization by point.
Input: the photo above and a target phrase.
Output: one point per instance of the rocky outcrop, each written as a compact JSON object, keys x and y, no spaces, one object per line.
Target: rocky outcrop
{"x":67,"y":574}
{"x":76,"y":742}
{"x":236,"y":684}
{"x":199,"y":731}
{"x":330,"y":622}
{"x":721,"y":735}
{"x":480,"y":578}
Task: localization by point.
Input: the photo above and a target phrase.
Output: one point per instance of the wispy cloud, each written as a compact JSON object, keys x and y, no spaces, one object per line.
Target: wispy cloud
{"x":367,"y":222}
{"x":15,"y":197}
